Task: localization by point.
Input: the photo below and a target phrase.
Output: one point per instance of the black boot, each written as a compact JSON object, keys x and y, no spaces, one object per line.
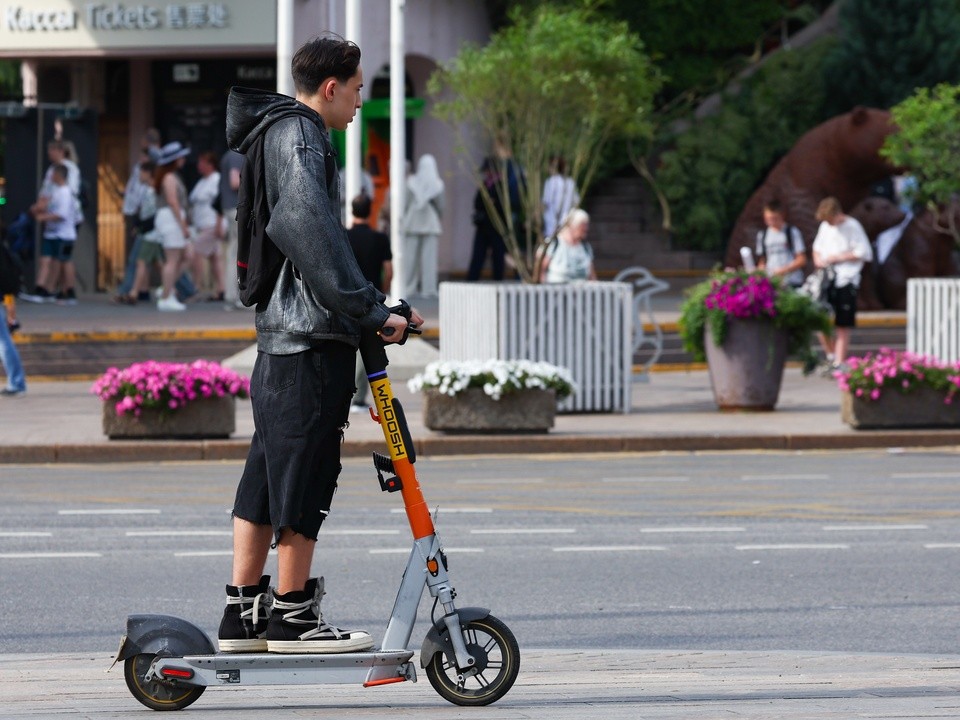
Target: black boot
{"x":296,"y":625}
{"x":245,"y":617}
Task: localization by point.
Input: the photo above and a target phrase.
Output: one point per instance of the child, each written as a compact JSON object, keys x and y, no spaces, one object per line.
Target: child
{"x":59,"y":238}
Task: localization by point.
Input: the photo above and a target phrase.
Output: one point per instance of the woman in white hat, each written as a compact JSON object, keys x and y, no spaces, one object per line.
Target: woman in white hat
{"x":171,"y":221}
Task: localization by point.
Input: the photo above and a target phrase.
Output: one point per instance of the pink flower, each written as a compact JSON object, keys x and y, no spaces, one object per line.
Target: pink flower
{"x":167,"y":386}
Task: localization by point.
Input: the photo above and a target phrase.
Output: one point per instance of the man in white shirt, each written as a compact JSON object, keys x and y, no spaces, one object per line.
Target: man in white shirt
{"x":841,"y":244}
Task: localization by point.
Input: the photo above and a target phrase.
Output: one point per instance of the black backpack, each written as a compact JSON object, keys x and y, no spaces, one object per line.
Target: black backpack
{"x":11,"y":271}
{"x":258,"y":259}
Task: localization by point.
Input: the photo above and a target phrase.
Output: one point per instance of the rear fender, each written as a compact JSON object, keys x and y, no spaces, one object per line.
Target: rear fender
{"x":163,"y":635}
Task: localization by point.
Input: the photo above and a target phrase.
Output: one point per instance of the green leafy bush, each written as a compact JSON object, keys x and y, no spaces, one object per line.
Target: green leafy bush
{"x":712,"y":168}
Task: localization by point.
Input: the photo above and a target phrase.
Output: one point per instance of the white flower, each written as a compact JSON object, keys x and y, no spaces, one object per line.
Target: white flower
{"x":495,"y":377}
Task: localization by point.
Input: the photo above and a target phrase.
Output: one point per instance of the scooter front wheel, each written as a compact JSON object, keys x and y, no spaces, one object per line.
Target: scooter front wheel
{"x":154,"y":694}
{"x":497,"y":657}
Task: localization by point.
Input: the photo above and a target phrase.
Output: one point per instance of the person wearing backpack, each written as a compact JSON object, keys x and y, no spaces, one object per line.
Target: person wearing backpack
{"x":780,"y":248}
{"x":312,"y":302}
{"x":569,"y":257}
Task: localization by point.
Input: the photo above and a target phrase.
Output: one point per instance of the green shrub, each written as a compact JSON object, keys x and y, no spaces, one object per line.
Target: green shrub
{"x":711,"y":169}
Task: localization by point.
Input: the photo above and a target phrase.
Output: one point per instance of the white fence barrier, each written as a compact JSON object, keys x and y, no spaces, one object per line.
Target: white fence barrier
{"x":933,"y":317}
{"x":584,"y":327}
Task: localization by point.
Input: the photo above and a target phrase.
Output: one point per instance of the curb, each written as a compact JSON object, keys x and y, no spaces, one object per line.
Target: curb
{"x":195,"y":450}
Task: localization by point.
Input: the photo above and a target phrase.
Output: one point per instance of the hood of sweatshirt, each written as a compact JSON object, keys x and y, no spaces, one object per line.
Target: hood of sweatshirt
{"x":250,"y":112}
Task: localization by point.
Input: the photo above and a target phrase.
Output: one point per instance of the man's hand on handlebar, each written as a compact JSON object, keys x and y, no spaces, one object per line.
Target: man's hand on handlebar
{"x":403,"y":321}
{"x":394,"y":328}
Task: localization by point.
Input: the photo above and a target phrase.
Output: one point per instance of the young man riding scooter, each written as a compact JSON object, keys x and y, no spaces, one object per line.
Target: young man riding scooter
{"x":307,"y":336}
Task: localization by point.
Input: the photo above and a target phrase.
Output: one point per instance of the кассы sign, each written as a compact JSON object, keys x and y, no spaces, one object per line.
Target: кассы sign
{"x":116,"y":16}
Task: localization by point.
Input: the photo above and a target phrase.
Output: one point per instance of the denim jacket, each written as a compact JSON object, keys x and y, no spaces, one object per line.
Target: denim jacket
{"x":320,"y":293}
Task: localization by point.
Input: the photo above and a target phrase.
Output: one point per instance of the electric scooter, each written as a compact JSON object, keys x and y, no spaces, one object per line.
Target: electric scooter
{"x":469,"y":656}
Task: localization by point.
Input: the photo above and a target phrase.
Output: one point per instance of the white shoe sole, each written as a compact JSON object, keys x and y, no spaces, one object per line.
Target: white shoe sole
{"x":320,"y":646}
{"x":232,"y":646}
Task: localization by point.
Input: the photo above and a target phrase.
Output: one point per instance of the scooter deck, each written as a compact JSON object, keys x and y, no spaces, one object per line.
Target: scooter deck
{"x":373,"y":668}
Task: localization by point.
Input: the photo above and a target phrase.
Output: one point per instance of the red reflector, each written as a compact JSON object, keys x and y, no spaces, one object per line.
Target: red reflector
{"x":177,"y":673}
{"x":241,"y":264}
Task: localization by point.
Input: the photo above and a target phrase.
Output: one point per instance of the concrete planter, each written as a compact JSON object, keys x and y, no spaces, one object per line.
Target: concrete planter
{"x":474,"y":411}
{"x":920,"y":408}
{"x":207,"y":418}
{"x":746,"y":371}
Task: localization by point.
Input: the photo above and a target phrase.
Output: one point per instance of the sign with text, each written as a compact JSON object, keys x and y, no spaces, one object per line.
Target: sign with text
{"x":30,"y":27}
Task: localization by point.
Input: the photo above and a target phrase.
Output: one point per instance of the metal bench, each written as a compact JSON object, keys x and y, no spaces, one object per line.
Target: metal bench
{"x":645,"y":286}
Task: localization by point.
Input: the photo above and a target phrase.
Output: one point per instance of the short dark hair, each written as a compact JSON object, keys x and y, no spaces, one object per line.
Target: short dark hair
{"x":60,"y":170}
{"x":360,"y":206}
{"x":148,"y":166}
{"x":210,"y":157}
{"x":773,"y":205}
{"x":326,"y":56}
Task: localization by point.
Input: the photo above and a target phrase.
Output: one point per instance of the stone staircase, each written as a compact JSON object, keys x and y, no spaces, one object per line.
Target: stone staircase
{"x":61,"y":357}
{"x":625,"y":230}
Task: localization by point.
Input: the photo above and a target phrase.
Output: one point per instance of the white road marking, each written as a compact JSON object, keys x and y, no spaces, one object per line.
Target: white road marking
{"x":360,"y":532}
{"x":691,"y":529}
{"x":507,"y":481}
{"x":648,"y":478}
{"x":406,"y":551}
{"x":608,"y":548}
{"x":797,"y":546}
{"x":750,"y":478}
{"x":841,"y":528}
{"x":25,"y":534}
{"x":942,"y":546}
{"x":908,"y":476}
{"x":179,"y":533}
{"x":446,"y":510}
{"x":109,"y":511}
{"x":524,"y":531}
{"x":30,"y":556}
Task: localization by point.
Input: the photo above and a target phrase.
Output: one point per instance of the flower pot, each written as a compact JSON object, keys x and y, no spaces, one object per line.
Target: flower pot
{"x":746,"y":371}
{"x":472,"y":410}
{"x":207,"y":418}
{"x":921,"y":407}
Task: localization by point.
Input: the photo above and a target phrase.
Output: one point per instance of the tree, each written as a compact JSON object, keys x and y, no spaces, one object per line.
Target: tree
{"x":890,"y":47}
{"x":927,"y":144}
{"x":711,"y":168}
{"x":555,"y":82}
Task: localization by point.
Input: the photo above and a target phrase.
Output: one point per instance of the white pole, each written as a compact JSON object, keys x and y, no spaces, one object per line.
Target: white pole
{"x":354,"y":164}
{"x":398,"y":143}
{"x":285,"y":47}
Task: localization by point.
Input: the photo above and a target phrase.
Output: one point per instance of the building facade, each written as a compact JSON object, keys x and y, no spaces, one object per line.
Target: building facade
{"x":100,"y":73}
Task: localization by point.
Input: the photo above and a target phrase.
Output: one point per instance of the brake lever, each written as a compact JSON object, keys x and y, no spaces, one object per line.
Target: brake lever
{"x":404,"y":310}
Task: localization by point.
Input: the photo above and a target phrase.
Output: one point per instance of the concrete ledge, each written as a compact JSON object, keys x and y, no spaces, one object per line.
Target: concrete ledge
{"x":436,"y":446}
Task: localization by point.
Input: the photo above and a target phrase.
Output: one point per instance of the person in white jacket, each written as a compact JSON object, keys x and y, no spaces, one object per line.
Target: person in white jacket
{"x":841,"y":244}
{"x":421,"y":229}
{"x":560,"y":196}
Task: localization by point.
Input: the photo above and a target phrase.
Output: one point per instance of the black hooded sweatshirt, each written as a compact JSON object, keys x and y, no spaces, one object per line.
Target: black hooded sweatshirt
{"x":320,"y":292}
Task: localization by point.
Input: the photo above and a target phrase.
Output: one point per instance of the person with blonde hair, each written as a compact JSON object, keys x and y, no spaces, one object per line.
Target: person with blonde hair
{"x":842,"y":245}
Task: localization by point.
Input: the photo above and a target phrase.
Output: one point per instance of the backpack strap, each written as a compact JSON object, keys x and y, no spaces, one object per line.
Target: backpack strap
{"x":787,"y":233}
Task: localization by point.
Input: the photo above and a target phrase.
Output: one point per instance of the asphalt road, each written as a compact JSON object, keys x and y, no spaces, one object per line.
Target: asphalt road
{"x":852,"y":552}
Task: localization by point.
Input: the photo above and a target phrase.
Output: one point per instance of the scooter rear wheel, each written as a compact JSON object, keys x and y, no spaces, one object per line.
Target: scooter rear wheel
{"x":154,"y":694}
{"x":495,"y":649}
